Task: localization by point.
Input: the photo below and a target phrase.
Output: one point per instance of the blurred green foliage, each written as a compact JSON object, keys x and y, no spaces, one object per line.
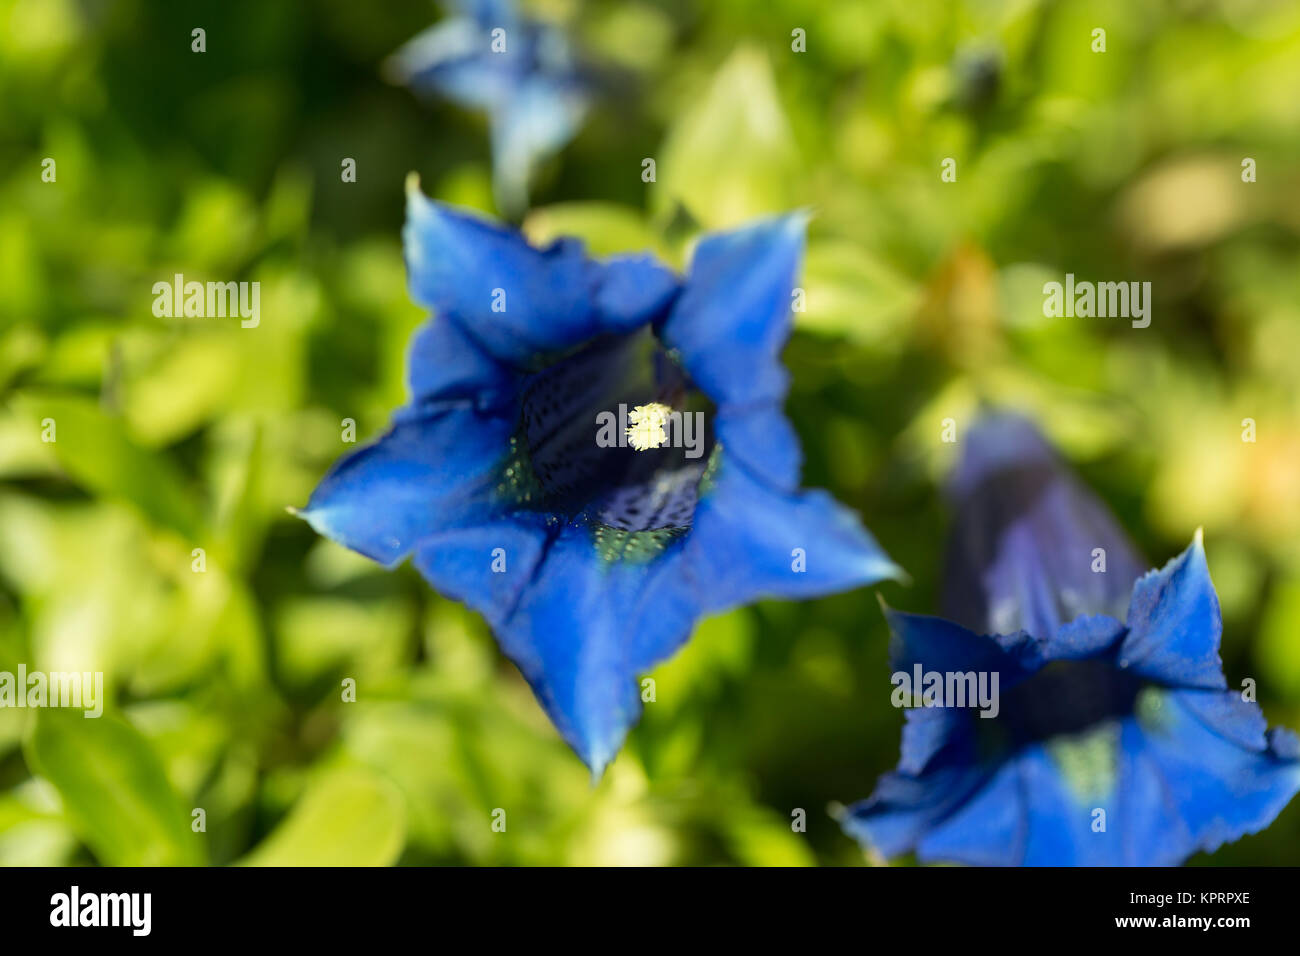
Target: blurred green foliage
{"x":923,"y":298}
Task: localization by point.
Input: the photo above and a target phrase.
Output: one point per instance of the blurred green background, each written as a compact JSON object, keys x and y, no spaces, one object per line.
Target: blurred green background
{"x":923,"y":297}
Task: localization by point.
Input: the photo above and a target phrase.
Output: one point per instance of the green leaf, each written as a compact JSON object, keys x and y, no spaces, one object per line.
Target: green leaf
{"x":606,"y":228}
{"x":115,"y":793}
{"x":731,"y":156}
{"x":98,"y":454}
{"x":349,"y":818}
{"x":852,"y":293}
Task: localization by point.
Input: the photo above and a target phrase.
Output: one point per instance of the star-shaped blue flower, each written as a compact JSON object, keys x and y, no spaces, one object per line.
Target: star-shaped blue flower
{"x":591,"y":562}
{"x":522,"y":73}
{"x":1115,"y":742}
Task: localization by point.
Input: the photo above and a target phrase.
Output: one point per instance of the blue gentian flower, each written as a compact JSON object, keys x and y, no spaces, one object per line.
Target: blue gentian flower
{"x":592,"y":560}
{"x":522,"y":73}
{"x":1116,"y":739}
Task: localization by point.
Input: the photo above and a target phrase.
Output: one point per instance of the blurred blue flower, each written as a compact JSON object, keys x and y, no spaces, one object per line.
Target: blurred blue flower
{"x":520,"y":72}
{"x":592,"y":562}
{"x":1113,"y":743}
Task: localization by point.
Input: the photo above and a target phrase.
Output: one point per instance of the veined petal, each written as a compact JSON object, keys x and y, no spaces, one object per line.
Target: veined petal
{"x":436,"y":468}
{"x":733,"y":317}
{"x":517,"y":302}
{"x":1175,"y":625}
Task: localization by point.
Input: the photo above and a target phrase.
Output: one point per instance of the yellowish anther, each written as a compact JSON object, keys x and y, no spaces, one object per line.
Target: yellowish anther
{"x":647,"y":426}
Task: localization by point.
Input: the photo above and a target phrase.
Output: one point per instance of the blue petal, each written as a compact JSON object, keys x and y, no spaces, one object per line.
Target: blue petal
{"x":733,"y":316}
{"x":937,"y":644}
{"x":583,"y":627}
{"x":1189,"y":771}
{"x":1147,"y":829}
{"x":486,"y":566}
{"x":631,"y":291}
{"x":986,"y":829}
{"x":453,"y":59}
{"x":1222,"y":775}
{"x":445,"y":364}
{"x":750,"y":540}
{"x":1024,"y":537}
{"x":932,"y":735}
{"x":518,"y":303}
{"x":489,"y":13}
{"x":537,"y":117}
{"x":1059,"y":812}
{"x":583,"y":630}
{"x":541,"y":114}
{"x":1174,"y":624}
{"x":1087,"y":636}
{"x":436,"y":468}
{"x":763,"y":440}
{"x":905,"y":808}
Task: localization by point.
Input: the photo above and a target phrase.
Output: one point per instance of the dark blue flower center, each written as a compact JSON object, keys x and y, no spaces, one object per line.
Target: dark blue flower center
{"x":1067,"y":697}
{"x":577,"y":473}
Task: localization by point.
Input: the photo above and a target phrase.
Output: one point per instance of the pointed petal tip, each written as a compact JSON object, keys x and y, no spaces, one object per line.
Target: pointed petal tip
{"x":308,"y":514}
{"x":898,"y":575}
{"x":791,"y":226}
{"x":1175,"y":623}
{"x":795,"y":221}
{"x":597,"y":761}
{"x":898,"y":619}
{"x":1192,"y":552}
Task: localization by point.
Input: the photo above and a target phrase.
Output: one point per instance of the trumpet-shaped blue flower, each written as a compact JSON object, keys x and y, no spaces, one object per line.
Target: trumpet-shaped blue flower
{"x":1116,"y":740}
{"x":522,"y":73}
{"x":591,"y":558}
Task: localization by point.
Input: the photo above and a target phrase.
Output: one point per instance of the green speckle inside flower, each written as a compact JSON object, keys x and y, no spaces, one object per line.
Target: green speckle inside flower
{"x":618,"y":544}
{"x":1152,"y":709}
{"x":517,"y":482}
{"x":1088,"y":761}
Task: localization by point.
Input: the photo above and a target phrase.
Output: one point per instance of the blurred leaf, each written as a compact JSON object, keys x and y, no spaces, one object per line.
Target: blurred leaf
{"x":606,"y":228}
{"x":314,"y":634}
{"x":348,"y":818}
{"x":97,"y":453}
{"x":760,"y":838}
{"x":1279,"y":650}
{"x":852,"y":293}
{"x":730,"y":156}
{"x":115,"y":792}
